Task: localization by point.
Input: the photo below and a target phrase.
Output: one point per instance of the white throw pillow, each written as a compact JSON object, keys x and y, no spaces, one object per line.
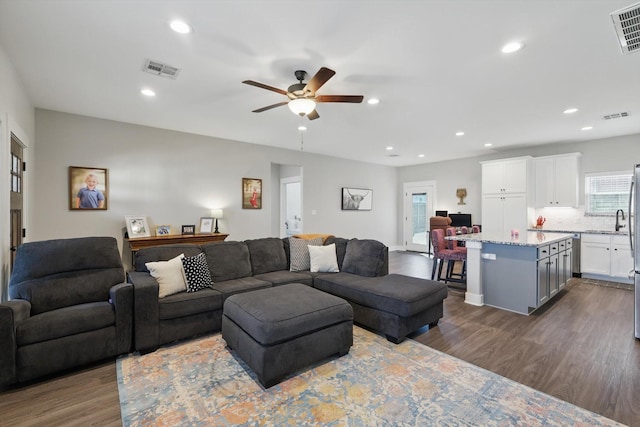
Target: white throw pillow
{"x":323,"y":259}
{"x":169,"y":274}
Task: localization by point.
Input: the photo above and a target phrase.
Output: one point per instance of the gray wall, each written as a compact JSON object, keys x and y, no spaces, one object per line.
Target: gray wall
{"x":16,"y":116}
{"x":176,"y":178}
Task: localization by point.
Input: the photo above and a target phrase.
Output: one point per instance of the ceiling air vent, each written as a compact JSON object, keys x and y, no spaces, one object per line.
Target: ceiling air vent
{"x":615,"y":115}
{"x":627,"y":24}
{"x":160,"y":69}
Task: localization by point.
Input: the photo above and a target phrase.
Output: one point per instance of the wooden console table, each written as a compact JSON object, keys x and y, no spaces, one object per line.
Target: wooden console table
{"x":138,"y":243}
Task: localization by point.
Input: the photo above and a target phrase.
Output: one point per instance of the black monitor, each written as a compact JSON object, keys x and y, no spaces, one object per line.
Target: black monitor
{"x":441,"y":213}
{"x":460,"y":220}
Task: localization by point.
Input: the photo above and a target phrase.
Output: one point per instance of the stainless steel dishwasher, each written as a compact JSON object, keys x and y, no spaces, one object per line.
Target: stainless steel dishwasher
{"x":576,"y":255}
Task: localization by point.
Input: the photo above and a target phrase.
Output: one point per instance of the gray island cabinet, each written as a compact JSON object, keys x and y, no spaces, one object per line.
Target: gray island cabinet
{"x":521,"y":273}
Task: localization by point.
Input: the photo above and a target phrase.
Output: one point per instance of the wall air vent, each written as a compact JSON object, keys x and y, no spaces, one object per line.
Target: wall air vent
{"x":627,"y":24}
{"x":615,"y":115}
{"x":160,"y":69}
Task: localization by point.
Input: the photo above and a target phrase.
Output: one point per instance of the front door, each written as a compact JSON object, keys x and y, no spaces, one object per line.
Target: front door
{"x":17,"y":194}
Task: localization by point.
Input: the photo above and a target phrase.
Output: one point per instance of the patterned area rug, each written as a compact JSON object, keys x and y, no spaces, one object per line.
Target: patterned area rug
{"x":378,"y":383}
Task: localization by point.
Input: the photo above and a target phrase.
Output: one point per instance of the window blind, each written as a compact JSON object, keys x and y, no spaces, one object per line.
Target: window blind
{"x":606,"y":193}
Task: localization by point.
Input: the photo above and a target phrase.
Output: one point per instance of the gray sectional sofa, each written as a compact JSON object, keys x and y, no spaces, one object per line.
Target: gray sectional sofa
{"x":393,"y":304}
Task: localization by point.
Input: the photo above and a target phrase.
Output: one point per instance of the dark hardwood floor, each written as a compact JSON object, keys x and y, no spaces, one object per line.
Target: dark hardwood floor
{"x":579,"y":348}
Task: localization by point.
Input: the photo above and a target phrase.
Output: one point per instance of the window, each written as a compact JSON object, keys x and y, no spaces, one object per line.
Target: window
{"x":606,"y":192}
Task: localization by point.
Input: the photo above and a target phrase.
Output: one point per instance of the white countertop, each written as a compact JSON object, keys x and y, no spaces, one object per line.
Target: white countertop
{"x":623,"y":232}
{"x":529,"y":238}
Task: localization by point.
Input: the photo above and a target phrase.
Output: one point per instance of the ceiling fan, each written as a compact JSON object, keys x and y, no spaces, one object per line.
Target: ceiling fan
{"x":302,"y":96}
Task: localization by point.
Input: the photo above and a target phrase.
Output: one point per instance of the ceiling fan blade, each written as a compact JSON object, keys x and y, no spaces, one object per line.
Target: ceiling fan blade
{"x":269,"y":107}
{"x":264,"y":86}
{"x":339,"y":98}
{"x":313,"y":115}
{"x":318,"y":80}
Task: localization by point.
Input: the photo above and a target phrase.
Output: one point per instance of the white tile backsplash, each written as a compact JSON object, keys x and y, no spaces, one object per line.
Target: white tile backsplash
{"x":574,"y":219}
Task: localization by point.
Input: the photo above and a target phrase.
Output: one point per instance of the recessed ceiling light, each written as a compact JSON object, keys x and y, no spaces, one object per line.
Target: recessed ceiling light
{"x":389,"y":148}
{"x":459,"y":133}
{"x":181,"y":27}
{"x":570,"y":110}
{"x":302,"y":127}
{"x":147,"y":92}
{"x":587,"y":128}
{"x":373,"y":101}
{"x":512,"y":47}
{"x":488,"y":144}
{"x":421,"y":155}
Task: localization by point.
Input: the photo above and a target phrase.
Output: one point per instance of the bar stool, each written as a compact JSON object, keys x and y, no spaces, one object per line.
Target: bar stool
{"x":453,"y":245}
{"x":442,"y":253}
{"x":438,"y":222}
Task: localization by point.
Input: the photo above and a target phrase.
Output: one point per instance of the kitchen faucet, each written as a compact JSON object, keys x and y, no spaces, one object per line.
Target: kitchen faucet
{"x":618,"y":225}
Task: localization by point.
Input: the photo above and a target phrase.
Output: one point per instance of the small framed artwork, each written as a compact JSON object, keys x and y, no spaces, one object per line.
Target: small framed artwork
{"x":356,"y":199}
{"x":163,"y":230}
{"x":137,"y":226}
{"x":206,"y":225}
{"x":251,"y":193}
{"x":88,"y":188}
{"x":188,"y":229}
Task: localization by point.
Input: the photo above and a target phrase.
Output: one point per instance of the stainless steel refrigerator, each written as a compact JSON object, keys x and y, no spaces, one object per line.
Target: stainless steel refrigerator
{"x":634,"y":240}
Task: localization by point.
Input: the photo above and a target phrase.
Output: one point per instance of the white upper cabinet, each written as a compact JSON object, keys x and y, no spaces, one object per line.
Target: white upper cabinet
{"x":505,"y":195}
{"x":556,"y":180}
{"x":505,"y":176}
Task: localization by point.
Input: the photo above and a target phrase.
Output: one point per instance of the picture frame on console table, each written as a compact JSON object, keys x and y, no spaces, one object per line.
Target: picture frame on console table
{"x":206,"y":225}
{"x":188,"y":230}
{"x":251,"y":193}
{"x":356,"y":199}
{"x":137,"y":226}
{"x":88,"y":188}
{"x":163,"y":230}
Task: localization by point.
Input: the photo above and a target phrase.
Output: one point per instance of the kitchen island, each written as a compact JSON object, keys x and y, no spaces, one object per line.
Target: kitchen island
{"x":519,"y":273}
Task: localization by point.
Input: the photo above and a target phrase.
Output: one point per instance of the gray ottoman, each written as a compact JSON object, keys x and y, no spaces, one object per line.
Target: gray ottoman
{"x":277,"y":331}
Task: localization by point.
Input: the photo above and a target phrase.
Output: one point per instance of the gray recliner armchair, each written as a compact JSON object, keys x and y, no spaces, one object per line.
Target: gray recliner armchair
{"x":69,"y":306}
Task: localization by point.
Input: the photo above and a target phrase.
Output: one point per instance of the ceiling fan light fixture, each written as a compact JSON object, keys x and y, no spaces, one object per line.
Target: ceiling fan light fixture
{"x":302,"y":106}
{"x":512,"y":47}
{"x":181,"y":27}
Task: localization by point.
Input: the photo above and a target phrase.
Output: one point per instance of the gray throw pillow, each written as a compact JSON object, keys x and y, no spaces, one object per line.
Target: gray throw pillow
{"x":299,"y":249}
{"x":364,"y":257}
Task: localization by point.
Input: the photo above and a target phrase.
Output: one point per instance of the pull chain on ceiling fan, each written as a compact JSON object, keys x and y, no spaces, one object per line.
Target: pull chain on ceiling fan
{"x":302,"y":97}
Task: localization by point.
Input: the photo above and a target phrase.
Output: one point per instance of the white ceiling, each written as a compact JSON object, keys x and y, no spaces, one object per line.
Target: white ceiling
{"x":436,"y":67}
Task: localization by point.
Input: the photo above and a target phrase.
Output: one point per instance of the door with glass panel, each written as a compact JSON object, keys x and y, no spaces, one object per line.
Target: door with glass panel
{"x":419,"y":201}
{"x":16,"y":199}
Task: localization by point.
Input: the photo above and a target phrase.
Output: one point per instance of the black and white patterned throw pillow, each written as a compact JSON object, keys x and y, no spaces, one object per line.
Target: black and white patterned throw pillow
{"x":196,"y":272}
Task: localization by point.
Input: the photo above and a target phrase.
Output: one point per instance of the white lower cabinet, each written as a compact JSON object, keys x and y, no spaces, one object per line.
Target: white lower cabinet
{"x":606,"y":255}
{"x":621,"y":257}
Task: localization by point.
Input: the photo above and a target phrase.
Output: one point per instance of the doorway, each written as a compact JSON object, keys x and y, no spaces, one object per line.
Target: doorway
{"x":290,"y":206}
{"x":419,"y":202}
{"x":16,"y":197}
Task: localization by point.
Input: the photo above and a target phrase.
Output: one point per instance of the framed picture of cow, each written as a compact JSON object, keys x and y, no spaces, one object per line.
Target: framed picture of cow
{"x":356,"y":199}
